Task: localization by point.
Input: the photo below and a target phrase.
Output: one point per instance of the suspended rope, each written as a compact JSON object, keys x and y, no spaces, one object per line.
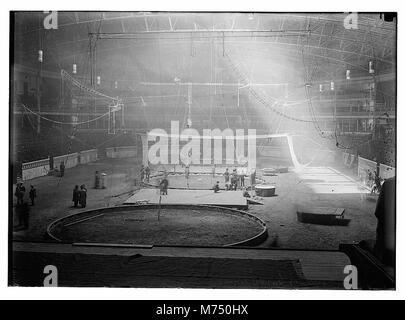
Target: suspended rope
{"x":75,"y":82}
{"x":259,"y":98}
{"x":64,"y":123}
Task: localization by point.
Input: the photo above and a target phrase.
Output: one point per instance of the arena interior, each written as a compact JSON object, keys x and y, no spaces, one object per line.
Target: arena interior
{"x":209,"y":150}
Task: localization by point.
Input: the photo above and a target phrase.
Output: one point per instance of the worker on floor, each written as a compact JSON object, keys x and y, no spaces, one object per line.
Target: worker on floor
{"x":216,"y":187}
{"x":142,"y":173}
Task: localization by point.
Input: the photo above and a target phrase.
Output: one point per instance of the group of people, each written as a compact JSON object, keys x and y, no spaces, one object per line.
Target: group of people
{"x":145,"y":173}
{"x":79,"y":196}
{"x":233,"y":180}
{"x":374,"y":181}
{"x":22,"y":208}
{"x":20,"y":193}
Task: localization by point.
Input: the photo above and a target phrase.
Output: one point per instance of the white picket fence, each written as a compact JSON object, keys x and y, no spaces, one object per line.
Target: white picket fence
{"x":39,"y":168}
{"x":365,"y":165}
{"x":34,"y":169}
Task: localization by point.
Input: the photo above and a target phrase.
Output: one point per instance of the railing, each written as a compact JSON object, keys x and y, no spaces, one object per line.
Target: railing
{"x":39,"y":168}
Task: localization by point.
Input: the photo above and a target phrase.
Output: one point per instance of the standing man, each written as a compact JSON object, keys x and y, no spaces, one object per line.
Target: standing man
{"x":25,"y":215}
{"x":187,"y":174}
{"x":147,"y":173}
{"x":33,"y":194}
{"x":76,"y":196}
{"x":242,"y":180}
{"x":164,"y":184}
{"x":62,"y":169}
{"x":253,"y":177}
{"x":83,"y":196}
{"x":226,"y":175}
{"x":19,"y":193}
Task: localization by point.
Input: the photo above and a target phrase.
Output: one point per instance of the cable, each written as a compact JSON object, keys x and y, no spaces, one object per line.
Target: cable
{"x":60,"y":122}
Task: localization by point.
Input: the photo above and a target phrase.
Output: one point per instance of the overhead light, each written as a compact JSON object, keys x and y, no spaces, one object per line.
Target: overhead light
{"x":251,"y":16}
{"x":40,"y":55}
{"x":370,"y":67}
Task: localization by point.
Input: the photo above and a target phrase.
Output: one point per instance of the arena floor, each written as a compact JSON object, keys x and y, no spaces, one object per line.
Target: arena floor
{"x":321,"y":186}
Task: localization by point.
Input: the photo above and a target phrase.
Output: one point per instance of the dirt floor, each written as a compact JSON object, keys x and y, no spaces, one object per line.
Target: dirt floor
{"x":323,"y":186}
{"x":175,"y":226}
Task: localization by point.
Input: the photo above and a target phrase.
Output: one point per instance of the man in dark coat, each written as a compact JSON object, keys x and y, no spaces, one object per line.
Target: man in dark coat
{"x":62,"y":169}
{"x":242,"y":179}
{"x":25,"y":215}
{"x":19,"y":193}
{"x":164,"y":184}
{"x":76,"y":196}
{"x":33,"y":195}
{"x":385,"y":214}
{"x":216,"y":187}
{"x":83,"y":196}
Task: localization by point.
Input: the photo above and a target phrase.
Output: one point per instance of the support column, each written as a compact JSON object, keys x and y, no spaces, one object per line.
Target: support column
{"x":144,"y":138}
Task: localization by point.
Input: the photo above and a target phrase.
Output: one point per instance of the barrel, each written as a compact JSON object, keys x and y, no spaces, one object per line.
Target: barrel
{"x":265,"y":190}
{"x":269,"y":172}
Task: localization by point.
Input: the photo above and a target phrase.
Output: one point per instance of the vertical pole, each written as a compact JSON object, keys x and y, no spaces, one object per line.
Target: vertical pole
{"x":238,"y":93}
{"x":39,"y":98}
{"x":40,"y":59}
{"x":144,"y":139}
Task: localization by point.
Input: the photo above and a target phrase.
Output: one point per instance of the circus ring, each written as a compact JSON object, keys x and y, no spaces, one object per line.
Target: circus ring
{"x":179,"y":225}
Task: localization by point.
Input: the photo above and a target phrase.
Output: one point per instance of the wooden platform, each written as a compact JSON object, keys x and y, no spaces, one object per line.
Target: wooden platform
{"x":322,"y":215}
{"x":323,"y":211}
{"x":229,"y":199}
